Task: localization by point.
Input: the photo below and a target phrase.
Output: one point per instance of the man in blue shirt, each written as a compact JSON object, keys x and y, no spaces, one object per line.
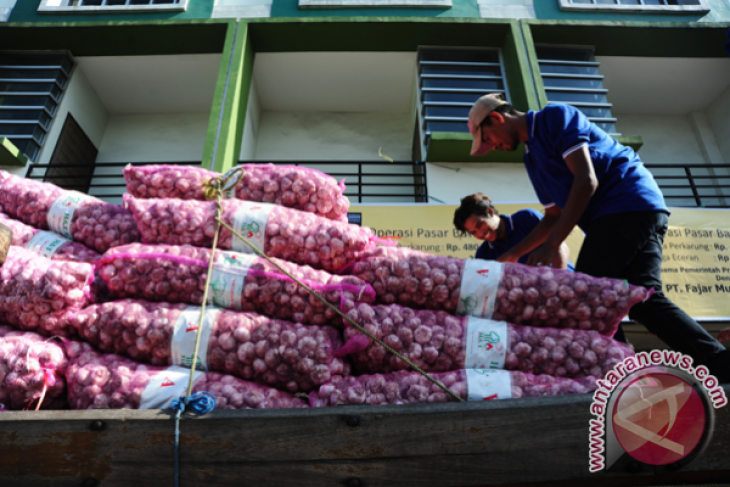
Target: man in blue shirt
{"x":500,"y":233}
{"x":585,"y":177}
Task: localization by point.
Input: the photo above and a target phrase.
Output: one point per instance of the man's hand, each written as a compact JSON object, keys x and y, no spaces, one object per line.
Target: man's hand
{"x":543,"y":255}
{"x":508,"y":256}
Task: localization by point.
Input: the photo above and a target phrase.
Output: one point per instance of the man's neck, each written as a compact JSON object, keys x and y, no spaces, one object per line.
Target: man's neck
{"x":519,"y":122}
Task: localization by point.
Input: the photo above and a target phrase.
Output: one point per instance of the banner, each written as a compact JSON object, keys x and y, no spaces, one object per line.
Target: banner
{"x":696,"y":269}
{"x":430,"y":228}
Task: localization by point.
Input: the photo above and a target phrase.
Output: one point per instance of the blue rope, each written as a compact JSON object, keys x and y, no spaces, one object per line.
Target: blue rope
{"x":200,"y":403}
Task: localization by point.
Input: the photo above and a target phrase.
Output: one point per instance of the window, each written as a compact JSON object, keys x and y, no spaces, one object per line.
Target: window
{"x":638,"y":6}
{"x":450,"y":81}
{"x":57,"y":6}
{"x":31,"y":87}
{"x":572,"y":77}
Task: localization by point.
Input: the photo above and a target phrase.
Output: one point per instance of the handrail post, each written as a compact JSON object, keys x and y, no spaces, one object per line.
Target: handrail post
{"x":696,"y":194}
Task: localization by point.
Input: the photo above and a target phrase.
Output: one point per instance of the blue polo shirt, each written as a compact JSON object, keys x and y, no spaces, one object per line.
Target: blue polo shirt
{"x":518,"y":225}
{"x":624,"y":184}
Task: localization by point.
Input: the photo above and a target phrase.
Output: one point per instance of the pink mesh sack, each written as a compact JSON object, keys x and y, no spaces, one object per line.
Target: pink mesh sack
{"x":48,"y":244}
{"x":438,"y":342}
{"x":240,"y":282}
{"x":472,"y":385}
{"x":291,"y":186}
{"x":95,"y":223}
{"x":284,"y":233}
{"x":535,"y":296}
{"x":97,"y":381}
{"x":289,"y":356}
{"x":36,"y":293}
{"x":31,"y":371}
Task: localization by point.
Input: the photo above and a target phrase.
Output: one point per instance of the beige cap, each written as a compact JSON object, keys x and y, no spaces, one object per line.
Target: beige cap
{"x":479,"y":111}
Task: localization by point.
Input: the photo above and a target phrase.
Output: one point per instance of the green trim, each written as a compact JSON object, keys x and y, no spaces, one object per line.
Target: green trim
{"x":455,"y":147}
{"x":11,"y":155}
{"x":635,"y":142}
{"x":119,"y":38}
{"x":648,"y":39}
{"x":459,"y":9}
{"x":27,"y":11}
{"x":542,"y":100}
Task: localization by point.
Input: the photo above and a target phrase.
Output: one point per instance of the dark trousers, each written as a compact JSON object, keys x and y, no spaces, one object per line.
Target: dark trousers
{"x":629,"y":246}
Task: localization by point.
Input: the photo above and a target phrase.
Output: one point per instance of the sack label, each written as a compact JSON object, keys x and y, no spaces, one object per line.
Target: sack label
{"x":479,"y":284}
{"x":46,"y":244}
{"x":250,"y":221}
{"x":227,"y":280}
{"x":62,"y":212}
{"x":165,"y":386}
{"x":486,"y":344}
{"x":184,"y":333}
{"x":485,"y":385}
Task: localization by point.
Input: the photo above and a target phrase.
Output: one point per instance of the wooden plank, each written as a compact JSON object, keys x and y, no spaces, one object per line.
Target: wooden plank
{"x":512,"y":442}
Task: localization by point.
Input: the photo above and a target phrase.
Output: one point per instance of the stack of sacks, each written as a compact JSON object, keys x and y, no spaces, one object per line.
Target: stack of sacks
{"x":95,"y":223}
{"x":535,"y":296}
{"x":289,"y":356}
{"x":283,"y":233}
{"x":470,"y":385}
{"x":438,"y":342}
{"x":240,"y":282}
{"x":294,"y":187}
{"x":36,"y":293}
{"x":31,"y":370}
{"x":98,"y":381}
{"x":48,"y":244}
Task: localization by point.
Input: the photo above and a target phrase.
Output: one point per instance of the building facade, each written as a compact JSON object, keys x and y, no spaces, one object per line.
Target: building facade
{"x":88,"y":86}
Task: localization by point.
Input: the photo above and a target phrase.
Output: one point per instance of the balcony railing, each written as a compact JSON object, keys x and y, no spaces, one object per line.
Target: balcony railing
{"x":366,"y":181}
{"x":694,"y":185}
{"x":373,"y":181}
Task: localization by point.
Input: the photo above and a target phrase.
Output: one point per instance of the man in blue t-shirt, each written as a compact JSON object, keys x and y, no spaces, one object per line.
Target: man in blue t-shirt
{"x":585,"y":177}
{"x":478,"y":217}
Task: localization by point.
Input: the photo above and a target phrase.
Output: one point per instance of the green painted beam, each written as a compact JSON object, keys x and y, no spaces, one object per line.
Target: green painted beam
{"x":217,"y":113}
{"x":11,"y":155}
{"x":226,"y":148}
{"x":650,"y":39}
{"x":542,"y":100}
{"x":455,"y":147}
{"x":119,"y":38}
{"x":517,"y":70}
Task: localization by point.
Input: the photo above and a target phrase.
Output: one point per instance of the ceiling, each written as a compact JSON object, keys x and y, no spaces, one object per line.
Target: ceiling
{"x":153,"y":84}
{"x":335,"y":81}
{"x":663,"y":86}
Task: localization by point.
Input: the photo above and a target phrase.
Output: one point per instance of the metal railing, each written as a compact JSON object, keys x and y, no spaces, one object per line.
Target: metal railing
{"x":104,"y":180}
{"x":694,"y":185}
{"x":366,"y":181}
{"x":372,"y":181}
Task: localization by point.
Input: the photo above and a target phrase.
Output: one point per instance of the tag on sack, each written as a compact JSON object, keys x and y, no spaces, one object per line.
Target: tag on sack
{"x":6,"y":236}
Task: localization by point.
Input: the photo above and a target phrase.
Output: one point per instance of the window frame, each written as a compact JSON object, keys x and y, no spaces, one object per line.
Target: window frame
{"x":61,"y":6}
{"x":568,"y":5}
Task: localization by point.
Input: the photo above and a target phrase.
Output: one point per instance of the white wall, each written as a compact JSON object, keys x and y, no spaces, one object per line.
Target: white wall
{"x":251,"y":129}
{"x":333,"y":136}
{"x":668,"y":139}
{"x":165,"y":137}
{"x":6,"y":8}
{"x":718,"y":114}
{"x":83,"y":103}
{"x":506,"y":183}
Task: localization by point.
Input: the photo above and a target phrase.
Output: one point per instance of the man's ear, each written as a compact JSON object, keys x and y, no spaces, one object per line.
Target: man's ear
{"x":496,"y":117}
